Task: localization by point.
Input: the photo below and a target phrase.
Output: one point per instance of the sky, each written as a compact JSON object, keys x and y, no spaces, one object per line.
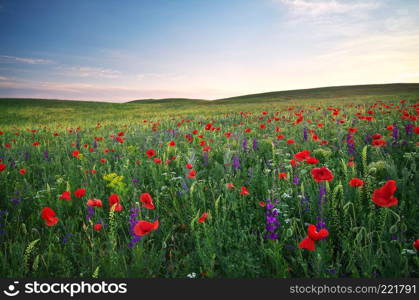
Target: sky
{"x":118,"y":51}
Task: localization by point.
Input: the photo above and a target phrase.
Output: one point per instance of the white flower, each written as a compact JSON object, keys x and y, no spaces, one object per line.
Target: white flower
{"x":191,"y":275}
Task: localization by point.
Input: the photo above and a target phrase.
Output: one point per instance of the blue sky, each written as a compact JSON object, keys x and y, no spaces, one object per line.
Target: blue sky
{"x":125,"y":50}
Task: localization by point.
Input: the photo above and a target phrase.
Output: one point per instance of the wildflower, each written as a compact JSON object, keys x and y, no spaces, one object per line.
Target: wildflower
{"x":150,"y":153}
{"x":203,"y":217}
{"x":230,"y":186}
{"x":142,"y":228}
{"x":94,"y":202}
{"x":416,"y":244}
{"x":147,"y":201}
{"x":65,"y":195}
{"x":321,"y":174}
{"x":97,"y":227}
{"x":188,"y":166}
{"x":244,"y":191}
{"x":356,"y":182}
{"x":157,"y":160}
{"x":80,"y":192}
{"x":384,"y":196}
{"x":48,"y":215}
{"x":312,"y":236}
{"x":300,"y":156}
{"x":378,"y":143}
{"x":114,"y":200}
{"x":262,"y":203}
{"x":236,"y":162}
{"x":282,"y":175}
{"x":172,"y":143}
{"x":22,"y":171}
{"x":2,"y":167}
{"x":192,"y":174}
{"x":272,"y":222}
{"x":311,"y":160}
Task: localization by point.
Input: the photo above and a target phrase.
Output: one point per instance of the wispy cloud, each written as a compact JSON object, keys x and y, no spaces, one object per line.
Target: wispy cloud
{"x":6,"y":59}
{"x":316,"y":8}
{"x":3,"y":78}
{"x":85,"y":71}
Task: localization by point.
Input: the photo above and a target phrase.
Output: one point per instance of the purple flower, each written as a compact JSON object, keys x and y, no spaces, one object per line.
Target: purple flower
{"x":94,"y":144}
{"x":409,"y":128}
{"x":90,"y":212}
{"x":351,"y":144}
{"x":305,"y":203}
{"x":272,"y":223}
{"x":205,"y":157}
{"x":296,"y":180}
{"x":46,"y":155}
{"x":255,"y":144}
{"x":395,"y":134}
{"x":132,"y":221}
{"x":244,"y":144}
{"x":236,"y":162}
{"x":305,"y":134}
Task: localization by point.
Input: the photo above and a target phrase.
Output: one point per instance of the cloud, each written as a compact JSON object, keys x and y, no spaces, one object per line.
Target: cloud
{"x":84,"y":71}
{"x":316,"y":8}
{"x":6,"y":59}
{"x":3,"y":78}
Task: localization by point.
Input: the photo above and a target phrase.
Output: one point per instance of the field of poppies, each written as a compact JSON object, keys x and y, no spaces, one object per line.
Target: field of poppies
{"x":296,"y":188}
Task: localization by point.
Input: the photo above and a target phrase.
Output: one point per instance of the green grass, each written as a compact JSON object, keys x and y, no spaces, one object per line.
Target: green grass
{"x":365,"y":240}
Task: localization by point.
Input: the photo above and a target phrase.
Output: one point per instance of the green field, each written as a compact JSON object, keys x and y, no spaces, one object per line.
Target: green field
{"x":246,"y":141}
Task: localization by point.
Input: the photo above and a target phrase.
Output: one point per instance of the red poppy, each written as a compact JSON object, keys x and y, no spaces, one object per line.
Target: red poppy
{"x":49,"y":216}
{"x":312,"y":160}
{"x":262,"y":203}
{"x":376,"y":136}
{"x":97,"y":227}
{"x":22,"y":171}
{"x":147,"y":201}
{"x":94,"y":202}
{"x":150,"y":153}
{"x":189,"y":166}
{"x":378,"y":143}
{"x":114,"y":200}
{"x":102,"y":160}
{"x":300,"y":156}
{"x":35,"y":144}
{"x":416,"y":244}
{"x":355,"y":182}
{"x":244,"y":191}
{"x":142,"y":228}
{"x":75,"y":153}
{"x":293,"y":163}
{"x":203,"y":217}
{"x":280,"y":136}
{"x":282,"y":175}
{"x":157,"y":160}
{"x":172,"y":143}
{"x":384,"y":195}
{"x":80,"y":192}
{"x":230,"y":186}
{"x":312,"y":236}
{"x":192,"y":174}
{"x":247,"y":130}
{"x":321,"y":174}
{"x":290,"y":142}
{"x":65,"y":195}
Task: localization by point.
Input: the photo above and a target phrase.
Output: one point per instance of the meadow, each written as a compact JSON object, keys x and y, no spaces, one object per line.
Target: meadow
{"x":229,"y":188}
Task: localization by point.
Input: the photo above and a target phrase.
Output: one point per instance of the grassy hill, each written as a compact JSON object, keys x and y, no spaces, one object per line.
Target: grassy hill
{"x":16,"y":112}
{"x":330,"y":92}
